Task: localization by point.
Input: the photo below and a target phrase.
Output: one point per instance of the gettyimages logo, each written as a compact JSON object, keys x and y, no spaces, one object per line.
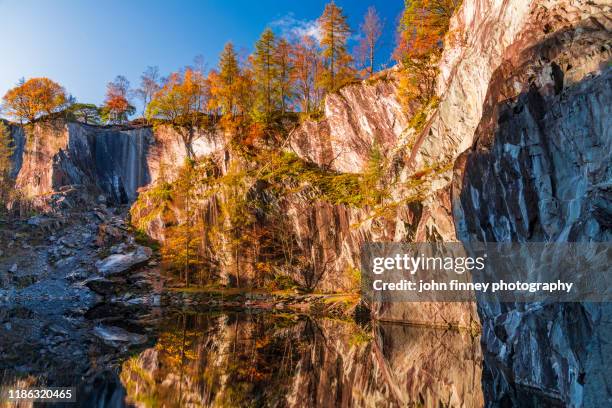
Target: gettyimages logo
{"x":412,"y":264}
{"x":508,"y":272}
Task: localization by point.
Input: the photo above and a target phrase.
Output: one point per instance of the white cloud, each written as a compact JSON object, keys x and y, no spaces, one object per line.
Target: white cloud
{"x":293,"y":28}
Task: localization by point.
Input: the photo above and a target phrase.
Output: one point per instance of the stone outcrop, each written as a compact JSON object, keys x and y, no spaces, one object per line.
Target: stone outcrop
{"x":114,"y":161}
{"x":107,"y":161}
{"x":539,"y":171}
{"x":358,"y":118}
{"x":527,"y":82}
{"x":517,"y":149}
{"x":117,"y":264}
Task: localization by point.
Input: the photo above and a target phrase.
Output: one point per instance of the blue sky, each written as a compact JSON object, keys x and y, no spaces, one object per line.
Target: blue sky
{"x":83,"y":44}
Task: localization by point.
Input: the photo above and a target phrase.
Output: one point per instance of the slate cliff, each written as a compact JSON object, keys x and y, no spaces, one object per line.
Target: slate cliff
{"x":539,"y":170}
{"x":517,"y":149}
{"x":114,"y":161}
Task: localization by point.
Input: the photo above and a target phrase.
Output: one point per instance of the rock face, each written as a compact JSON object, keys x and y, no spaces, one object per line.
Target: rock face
{"x":527,"y":83}
{"x":114,"y":161}
{"x":518,"y":149}
{"x":104,"y":160}
{"x":357,"y":119}
{"x":539,"y":170}
{"x":18,"y":136}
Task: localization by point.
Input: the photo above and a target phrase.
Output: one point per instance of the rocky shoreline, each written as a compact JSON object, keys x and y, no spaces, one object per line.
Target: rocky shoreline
{"x":79,"y":295}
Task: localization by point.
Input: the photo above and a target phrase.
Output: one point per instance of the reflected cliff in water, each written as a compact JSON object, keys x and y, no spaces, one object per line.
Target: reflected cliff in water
{"x":240,"y":359}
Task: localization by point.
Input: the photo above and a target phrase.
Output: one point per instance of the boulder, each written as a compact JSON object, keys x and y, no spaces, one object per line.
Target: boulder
{"x":118,"y":264}
{"x":112,"y":335}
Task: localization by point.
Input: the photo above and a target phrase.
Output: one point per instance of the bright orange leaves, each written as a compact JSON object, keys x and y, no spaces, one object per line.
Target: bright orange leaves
{"x":33,"y":98}
{"x":423,"y":26}
{"x":116,"y":105}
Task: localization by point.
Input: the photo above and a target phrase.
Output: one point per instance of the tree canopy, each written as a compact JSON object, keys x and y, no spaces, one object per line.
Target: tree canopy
{"x":183,"y":101}
{"x":33,"y":98}
{"x":117,"y":105}
{"x":335,"y":33}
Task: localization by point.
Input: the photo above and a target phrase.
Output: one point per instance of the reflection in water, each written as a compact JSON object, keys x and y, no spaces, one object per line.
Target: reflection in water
{"x":239,"y":359}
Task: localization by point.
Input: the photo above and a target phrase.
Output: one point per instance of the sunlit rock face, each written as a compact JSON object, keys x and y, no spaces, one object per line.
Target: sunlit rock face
{"x":357,"y":118}
{"x":114,"y":161}
{"x":254,"y":359}
{"x":539,"y":170}
{"x":110,"y":161}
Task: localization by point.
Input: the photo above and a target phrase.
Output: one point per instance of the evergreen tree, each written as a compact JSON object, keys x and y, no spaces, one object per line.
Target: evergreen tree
{"x":335,"y":32}
{"x":284,"y":78}
{"x":265,"y":72}
{"x":223,"y":83}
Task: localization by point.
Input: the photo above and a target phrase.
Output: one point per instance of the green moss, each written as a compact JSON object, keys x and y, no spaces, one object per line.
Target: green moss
{"x":359,"y":338}
{"x":151,"y":204}
{"x":418,"y":120}
{"x":289,"y":173}
{"x":142,"y":238}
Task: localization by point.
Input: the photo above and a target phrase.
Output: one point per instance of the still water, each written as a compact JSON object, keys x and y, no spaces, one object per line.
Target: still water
{"x":242,"y":359}
{"x":239,"y":359}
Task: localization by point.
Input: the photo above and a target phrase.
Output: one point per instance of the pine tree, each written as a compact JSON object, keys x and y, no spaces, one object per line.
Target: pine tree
{"x":265,"y":73}
{"x":224,"y":82}
{"x":284,"y":78}
{"x":335,"y":32}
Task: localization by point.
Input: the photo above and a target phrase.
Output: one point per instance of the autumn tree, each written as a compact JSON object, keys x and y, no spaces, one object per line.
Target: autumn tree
{"x":284,"y":77}
{"x":371,"y":30}
{"x":182,"y":101}
{"x":265,"y":73}
{"x":33,"y":98}
{"x":423,"y":26}
{"x":224,"y":82}
{"x":244,"y":96}
{"x":335,"y":33}
{"x":422,"y":29}
{"x":306,"y":73}
{"x":149,"y":85}
{"x":6,"y":152}
{"x":117,"y":105}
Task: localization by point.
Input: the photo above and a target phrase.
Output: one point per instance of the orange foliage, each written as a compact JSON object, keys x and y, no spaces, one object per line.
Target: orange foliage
{"x":423,"y":26}
{"x":116,"y":105}
{"x":33,"y":98}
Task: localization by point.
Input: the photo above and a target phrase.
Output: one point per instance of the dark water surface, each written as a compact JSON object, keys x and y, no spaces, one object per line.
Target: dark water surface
{"x":245,"y":359}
